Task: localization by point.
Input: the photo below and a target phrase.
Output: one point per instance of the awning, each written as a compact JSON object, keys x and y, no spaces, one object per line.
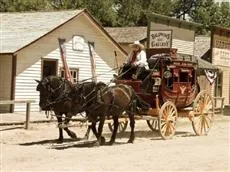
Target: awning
{"x":205,"y":65}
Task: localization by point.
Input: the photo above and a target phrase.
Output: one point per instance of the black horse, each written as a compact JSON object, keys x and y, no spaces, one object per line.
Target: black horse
{"x":111,"y":102}
{"x":96,"y":99}
{"x":58,"y":94}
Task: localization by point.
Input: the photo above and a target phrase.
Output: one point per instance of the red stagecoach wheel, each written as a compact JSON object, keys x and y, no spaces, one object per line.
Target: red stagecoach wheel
{"x":121,"y":127}
{"x":167,"y":120}
{"x":153,"y":124}
{"x":203,"y":113}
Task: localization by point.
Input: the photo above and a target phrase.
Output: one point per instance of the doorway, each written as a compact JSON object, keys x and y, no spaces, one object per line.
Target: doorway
{"x":49,"y":67}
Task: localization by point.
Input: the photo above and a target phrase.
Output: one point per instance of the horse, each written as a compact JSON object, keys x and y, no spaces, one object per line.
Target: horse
{"x":58,"y":94}
{"x":109,"y":101}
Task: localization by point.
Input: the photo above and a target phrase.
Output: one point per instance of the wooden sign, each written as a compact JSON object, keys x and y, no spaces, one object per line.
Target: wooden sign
{"x":221,"y":51}
{"x":78,"y":43}
{"x":160,"y":39}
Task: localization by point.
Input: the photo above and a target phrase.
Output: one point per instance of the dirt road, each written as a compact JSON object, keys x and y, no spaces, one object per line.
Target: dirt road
{"x":36,"y":150}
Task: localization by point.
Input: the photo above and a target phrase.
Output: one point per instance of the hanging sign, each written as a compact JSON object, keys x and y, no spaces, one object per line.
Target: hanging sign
{"x":160,"y":39}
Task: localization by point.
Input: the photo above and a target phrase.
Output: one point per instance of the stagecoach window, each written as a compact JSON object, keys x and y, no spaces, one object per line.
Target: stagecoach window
{"x":184,"y":77}
{"x":169,"y":79}
{"x":74,"y":73}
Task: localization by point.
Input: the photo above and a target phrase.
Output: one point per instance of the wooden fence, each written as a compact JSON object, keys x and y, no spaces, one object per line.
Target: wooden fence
{"x":28,"y":102}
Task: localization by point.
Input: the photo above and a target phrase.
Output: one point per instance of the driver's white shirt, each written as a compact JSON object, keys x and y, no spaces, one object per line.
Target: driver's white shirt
{"x":140,"y":60}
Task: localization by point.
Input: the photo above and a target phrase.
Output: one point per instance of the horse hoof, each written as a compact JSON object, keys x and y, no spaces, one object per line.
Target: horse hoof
{"x":86,"y":138}
{"x":111,"y":142}
{"x":59,"y":141}
{"x":102,"y":141}
{"x":130,"y":141}
{"x":97,"y":143}
{"x":73,"y":136}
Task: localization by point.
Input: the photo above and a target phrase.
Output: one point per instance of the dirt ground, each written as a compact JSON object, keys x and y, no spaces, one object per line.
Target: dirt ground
{"x":36,"y":149}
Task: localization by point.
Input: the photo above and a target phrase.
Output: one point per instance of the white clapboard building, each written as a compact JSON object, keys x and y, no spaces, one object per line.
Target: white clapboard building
{"x":29,"y":50}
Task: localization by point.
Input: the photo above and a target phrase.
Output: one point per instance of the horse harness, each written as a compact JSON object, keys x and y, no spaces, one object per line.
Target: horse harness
{"x":63,"y":96}
{"x":97,"y":94}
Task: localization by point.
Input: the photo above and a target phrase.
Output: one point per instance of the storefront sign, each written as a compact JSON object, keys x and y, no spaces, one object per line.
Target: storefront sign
{"x":221,"y":51}
{"x":160,"y":39}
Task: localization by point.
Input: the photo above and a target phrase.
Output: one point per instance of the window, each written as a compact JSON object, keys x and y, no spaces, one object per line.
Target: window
{"x":74,"y":73}
{"x":218,"y":85}
{"x":183,"y":76}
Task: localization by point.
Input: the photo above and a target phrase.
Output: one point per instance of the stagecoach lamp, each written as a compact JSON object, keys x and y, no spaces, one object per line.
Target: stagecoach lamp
{"x":156,"y":86}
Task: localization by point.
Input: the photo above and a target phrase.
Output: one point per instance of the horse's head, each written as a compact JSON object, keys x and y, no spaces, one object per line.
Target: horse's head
{"x":50,"y":89}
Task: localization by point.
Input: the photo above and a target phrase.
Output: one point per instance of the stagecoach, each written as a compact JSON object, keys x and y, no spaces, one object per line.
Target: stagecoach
{"x":170,"y":86}
{"x":171,"y":89}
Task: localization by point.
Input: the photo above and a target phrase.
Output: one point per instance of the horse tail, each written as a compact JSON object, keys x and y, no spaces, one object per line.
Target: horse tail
{"x":141,"y":103}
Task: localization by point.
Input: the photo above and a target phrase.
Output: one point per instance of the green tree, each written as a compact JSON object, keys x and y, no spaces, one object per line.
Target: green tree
{"x":207,"y":13}
{"x":134,"y":12}
{"x":102,"y":10}
{"x":225,"y":14}
{"x":181,"y":8}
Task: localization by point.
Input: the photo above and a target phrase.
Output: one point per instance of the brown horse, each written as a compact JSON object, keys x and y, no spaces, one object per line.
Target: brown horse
{"x":109,"y":101}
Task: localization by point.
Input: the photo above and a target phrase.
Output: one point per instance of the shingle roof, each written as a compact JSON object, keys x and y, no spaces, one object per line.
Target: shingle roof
{"x":203,"y":64}
{"x":127,"y":34}
{"x":19,"y":29}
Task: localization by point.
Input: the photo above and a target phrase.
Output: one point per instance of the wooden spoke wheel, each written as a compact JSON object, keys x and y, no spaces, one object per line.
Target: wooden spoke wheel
{"x":153,"y":124}
{"x":167,"y":120}
{"x":203,"y":113}
{"x":121,"y":127}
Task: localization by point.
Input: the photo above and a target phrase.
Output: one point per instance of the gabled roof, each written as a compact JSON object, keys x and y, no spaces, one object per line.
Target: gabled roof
{"x":202,"y":45}
{"x":19,"y":29}
{"x":127,"y":34}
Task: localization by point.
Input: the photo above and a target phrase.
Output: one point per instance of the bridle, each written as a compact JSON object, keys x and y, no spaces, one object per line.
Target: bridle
{"x":53,"y":91}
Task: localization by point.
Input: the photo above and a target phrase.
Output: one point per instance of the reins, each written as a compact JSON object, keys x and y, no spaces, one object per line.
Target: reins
{"x":97,"y":75}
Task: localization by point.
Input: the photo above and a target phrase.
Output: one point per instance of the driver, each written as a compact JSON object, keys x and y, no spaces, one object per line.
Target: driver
{"x":137,"y":58}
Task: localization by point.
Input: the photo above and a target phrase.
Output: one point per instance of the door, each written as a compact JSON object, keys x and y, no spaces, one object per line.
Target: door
{"x":49,"y":67}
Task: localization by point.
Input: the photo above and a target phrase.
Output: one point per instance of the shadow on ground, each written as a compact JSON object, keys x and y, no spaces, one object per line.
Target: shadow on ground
{"x":83,"y":143}
{"x":12,"y":128}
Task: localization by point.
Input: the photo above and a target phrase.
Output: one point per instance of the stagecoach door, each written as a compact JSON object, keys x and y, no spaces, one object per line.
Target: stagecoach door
{"x":49,"y":67}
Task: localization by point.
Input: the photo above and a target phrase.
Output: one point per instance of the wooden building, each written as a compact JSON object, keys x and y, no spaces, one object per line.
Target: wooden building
{"x":220,"y":57}
{"x":29,"y":50}
{"x":167,"y":32}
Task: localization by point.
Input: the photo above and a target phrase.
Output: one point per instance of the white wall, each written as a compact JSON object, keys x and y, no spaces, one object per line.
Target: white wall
{"x":29,"y":58}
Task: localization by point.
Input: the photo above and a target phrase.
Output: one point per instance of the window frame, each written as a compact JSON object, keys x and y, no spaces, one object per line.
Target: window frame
{"x":73,"y":71}
{"x":219,"y":85}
